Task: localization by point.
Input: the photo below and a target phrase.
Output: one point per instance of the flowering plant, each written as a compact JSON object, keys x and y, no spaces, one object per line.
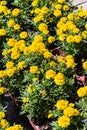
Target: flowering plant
{"x":29,"y":33}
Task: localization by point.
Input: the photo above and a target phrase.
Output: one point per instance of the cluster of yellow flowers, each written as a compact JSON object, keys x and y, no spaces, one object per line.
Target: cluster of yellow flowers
{"x":68,"y":111}
{"x":67,"y":60}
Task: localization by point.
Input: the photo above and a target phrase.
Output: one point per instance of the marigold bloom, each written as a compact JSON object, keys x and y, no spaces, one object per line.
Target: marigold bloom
{"x":84,"y":65}
{"x":61,"y":104}
{"x":15,"y":12}
{"x":82,"y":91}
{"x":50,"y":115}
{"x":57,"y":13}
{"x":66,"y":7}
{"x":63,"y":121}
{"x":47,"y":54}
{"x":77,"y":38}
{"x":9,"y":64}
{"x":50,"y":74}
{"x":33,"y":69}
{"x":59,"y":79}
{"x":34,"y":3}
{"x":52,"y":63}
{"x":3,"y":123}
{"x":25,"y":100}
{"x":21,"y":65}
{"x":2,"y":114}
{"x":2,"y":73}
{"x":44,"y":10}
{"x":2,"y":32}
{"x":15,"y":55}
{"x":37,"y":11}
{"x":42,"y":26}
{"x":51,"y":39}
{"x":12,"y":41}
{"x":23,"y":34}
{"x":69,"y":111}
{"x":16,"y":27}
{"x":11,"y":23}
{"x":30,"y":88}
{"x":70,"y":38}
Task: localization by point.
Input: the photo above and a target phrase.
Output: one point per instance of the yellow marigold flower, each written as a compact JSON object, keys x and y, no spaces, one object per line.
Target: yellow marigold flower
{"x":59,"y":32}
{"x":37,"y":11}
{"x":2,"y":114}
{"x":57,"y":13}
{"x":71,"y":104}
{"x":11,"y":23}
{"x":59,"y":79}
{"x":42,"y":26}
{"x":30,"y":88}
{"x":7,"y":12}
{"x":3,"y":123}
{"x":15,"y":12}
{"x":69,"y":57}
{"x":18,"y":127}
{"x":86,"y":26}
{"x":50,"y":74}
{"x":61,"y":104}
{"x":2,"y":8}
{"x":62,"y":37}
{"x":58,"y":6}
{"x":38,"y":18}
{"x":45,"y":32}
{"x":3,"y":90}
{"x":2,"y":32}
{"x":63,"y":121}
{"x":61,"y":59}
{"x":16,"y":27}
{"x":33,"y":69}
{"x":5,"y":52}
{"x":9,"y":64}
{"x":44,"y":10}
{"x":76,"y":30}
{"x":15,"y":55}
{"x":52,"y":63}
{"x":70,"y":63}
{"x":77,"y":38}
{"x":71,"y":16}
{"x":47,"y":54}
{"x":35,"y":79}
{"x":66,"y":7}
{"x":63,"y":19}
{"x":35,"y":2}
{"x":84,"y":65}
{"x":69,"y":111}
{"x":2,"y":73}
{"x":51,"y":39}
{"x":50,"y":115}
{"x":11,"y":72}
{"x":61,"y":1}
{"x":70,"y":38}
{"x":15,"y":127}
{"x":3,"y":2}
{"x":82,"y":91}
{"x":25,"y":100}
{"x":21,"y":65}
{"x":38,"y":38}
{"x":12,"y":41}
{"x":23,"y":34}
{"x":84,"y":34}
